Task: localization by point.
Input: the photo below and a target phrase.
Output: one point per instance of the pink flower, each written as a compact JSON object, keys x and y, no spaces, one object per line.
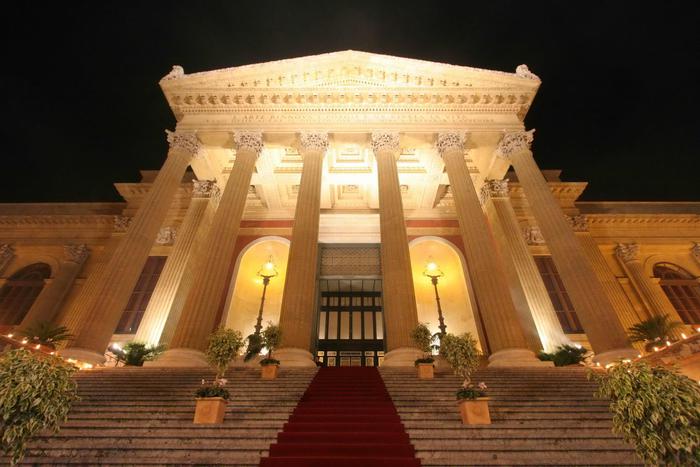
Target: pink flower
{"x":482,"y":385}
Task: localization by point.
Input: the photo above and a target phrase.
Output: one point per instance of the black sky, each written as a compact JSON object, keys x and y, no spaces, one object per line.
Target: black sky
{"x":82,"y":109}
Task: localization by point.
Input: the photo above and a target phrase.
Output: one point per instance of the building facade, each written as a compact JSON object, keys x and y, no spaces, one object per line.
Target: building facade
{"x":336,"y":185}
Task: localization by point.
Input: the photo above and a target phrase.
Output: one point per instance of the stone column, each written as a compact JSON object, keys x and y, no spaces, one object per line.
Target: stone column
{"x":160,"y":306}
{"x":651,"y":293}
{"x":623,"y":307}
{"x":124,"y":267}
{"x":208,"y":291}
{"x":504,"y":332}
{"x":51,"y":297}
{"x":6,"y":255}
{"x":299,"y":297}
{"x":599,"y":320}
{"x":400,"y":312}
{"x":539,"y":308}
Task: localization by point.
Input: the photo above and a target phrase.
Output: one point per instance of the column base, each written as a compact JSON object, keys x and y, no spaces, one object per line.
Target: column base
{"x":615,"y":355}
{"x":516,"y":358}
{"x":295,"y":357}
{"x":403,"y":356}
{"x":83,"y":355}
{"x":180,"y":358}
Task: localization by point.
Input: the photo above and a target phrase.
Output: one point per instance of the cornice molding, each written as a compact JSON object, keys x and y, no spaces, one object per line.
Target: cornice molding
{"x":55,"y":220}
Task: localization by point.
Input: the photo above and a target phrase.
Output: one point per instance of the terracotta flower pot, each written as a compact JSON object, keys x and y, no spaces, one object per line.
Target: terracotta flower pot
{"x":475,"y":411}
{"x":268,"y":371}
{"x":425,"y":370}
{"x":209,"y":410}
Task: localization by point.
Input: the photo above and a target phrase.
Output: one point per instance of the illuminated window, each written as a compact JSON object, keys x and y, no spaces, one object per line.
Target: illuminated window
{"x":131,"y":317}
{"x":20,"y":291}
{"x":557,"y":293}
{"x":682,"y":290}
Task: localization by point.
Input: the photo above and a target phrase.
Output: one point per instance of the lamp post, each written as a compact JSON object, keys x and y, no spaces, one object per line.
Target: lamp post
{"x":267,"y":272}
{"x":434,"y":273}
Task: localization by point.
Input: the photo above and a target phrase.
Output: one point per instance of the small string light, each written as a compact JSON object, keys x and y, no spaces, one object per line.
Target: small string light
{"x":683,"y":336}
{"x":10,"y":335}
{"x":656,"y":349}
{"x":24,"y":341}
{"x":38,"y":346}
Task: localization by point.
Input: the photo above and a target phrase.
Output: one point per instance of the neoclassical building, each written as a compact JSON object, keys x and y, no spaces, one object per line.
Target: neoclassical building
{"x":336,"y":185}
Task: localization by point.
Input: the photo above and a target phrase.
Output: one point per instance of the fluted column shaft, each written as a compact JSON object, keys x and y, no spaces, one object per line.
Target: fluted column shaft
{"x":6,"y":255}
{"x":539,"y":305}
{"x":651,"y":293}
{"x":124,"y":267}
{"x":399,"y":300}
{"x":299,"y":296}
{"x":599,"y":320}
{"x":51,"y":297}
{"x":160,"y":306}
{"x":208,"y":290}
{"x":486,"y":268}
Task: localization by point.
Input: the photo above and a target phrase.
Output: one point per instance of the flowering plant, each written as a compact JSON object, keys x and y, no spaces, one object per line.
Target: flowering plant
{"x":213,"y":389}
{"x":470,"y":392}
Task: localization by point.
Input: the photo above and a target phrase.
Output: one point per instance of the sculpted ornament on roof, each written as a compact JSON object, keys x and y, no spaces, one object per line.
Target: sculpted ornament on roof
{"x":524,"y":72}
{"x":175,"y":73}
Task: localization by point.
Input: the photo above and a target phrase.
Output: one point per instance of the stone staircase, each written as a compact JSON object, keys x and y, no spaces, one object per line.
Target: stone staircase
{"x":541,"y":416}
{"x":143,"y":416}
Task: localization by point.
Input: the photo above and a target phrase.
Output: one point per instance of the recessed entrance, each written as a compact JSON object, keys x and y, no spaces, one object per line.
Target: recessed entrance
{"x":350,"y":323}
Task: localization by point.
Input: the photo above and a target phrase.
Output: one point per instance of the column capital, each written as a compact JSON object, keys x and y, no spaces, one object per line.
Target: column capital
{"x":122,"y":223}
{"x":578,"y":222}
{"x":6,"y":252}
{"x":166,"y":236}
{"x":185,"y":141}
{"x":76,"y":253}
{"x":514,"y":142}
{"x":450,"y":141}
{"x":694,"y":250}
{"x":497,"y":188}
{"x":248,"y":141}
{"x":385,"y":141}
{"x":627,"y":252}
{"x":313,"y":141}
{"x":204,"y":188}
{"x":533,"y":235}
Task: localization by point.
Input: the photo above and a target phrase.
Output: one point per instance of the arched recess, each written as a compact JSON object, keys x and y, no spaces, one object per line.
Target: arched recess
{"x":245,"y":291}
{"x":682,"y":290}
{"x":20,"y":291}
{"x":458,"y":304}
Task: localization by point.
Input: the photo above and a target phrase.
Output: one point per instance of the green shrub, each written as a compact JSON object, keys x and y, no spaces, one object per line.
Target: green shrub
{"x":423,"y":338}
{"x":224,"y":345}
{"x":213,"y":391}
{"x":272,"y":338}
{"x":654,"y":331}
{"x":269,"y":361}
{"x":46,"y":333}
{"x":565,"y":355}
{"x":470,"y":392}
{"x":135,"y":353}
{"x":462,"y":354}
{"x":655,"y":408}
{"x":36,"y":393}
{"x":254,"y":346}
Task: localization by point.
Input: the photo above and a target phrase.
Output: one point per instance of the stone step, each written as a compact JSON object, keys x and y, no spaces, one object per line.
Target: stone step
{"x":528,"y":457}
{"x":509,"y":444}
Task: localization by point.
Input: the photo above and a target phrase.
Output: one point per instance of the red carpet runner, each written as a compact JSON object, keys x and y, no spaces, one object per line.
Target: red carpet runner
{"x":344,"y":419}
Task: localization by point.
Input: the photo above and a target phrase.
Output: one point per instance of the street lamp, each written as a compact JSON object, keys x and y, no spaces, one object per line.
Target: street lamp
{"x":434,"y":273}
{"x":267,"y":272}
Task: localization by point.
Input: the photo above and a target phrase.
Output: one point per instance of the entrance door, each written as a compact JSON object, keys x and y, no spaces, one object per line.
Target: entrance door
{"x":350,"y":323}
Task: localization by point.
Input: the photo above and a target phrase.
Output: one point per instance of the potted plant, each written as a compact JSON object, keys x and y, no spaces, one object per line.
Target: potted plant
{"x":461,"y":353}
{"x":654,"y":331}
{"x":271,"y":337}
{"x":565,"y":355}
{"x":655,"y":408}
{"x":46,"y":333}
{"x":135,"y":353}
{"x":224,"y":345}
{"x":36,"y":393}
{"x":423,"y":338}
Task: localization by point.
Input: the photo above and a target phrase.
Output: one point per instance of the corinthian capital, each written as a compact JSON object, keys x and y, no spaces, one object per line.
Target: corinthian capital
{"x":627,"y":252}
{"x":166,"y":236}
{"x":695,"y":251}
{"x":497,"y":188}
{"x":121,"y":223}
{"x":313,"y":141}
{"x":6,"y":253}
{"x":186,"y":141}
{"x":385,"y":141}
{"x":76,"y":253}
{"x":204,"y":188}
{"x":514,"y":142}
{"x":579,"y":223}
{"x":450,"y":141}
{"x":248,"y":141}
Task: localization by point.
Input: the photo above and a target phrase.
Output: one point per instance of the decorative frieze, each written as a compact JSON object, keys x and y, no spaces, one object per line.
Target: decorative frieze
{"x":204,"y":189}
{"x":450,"y":141}
{"x":514,"y":142}
{"x":533,"y":235}
{"x":166,"y":236}
{"x":248,"y":141}
{"x":186,"y":141}
{"x":76,"y":253}
{"x":316,"y":141}
{"x":385,"y":141}
{"x":122,"y":223}
{"x":578,"y":222}
{"x":350,"y":261}
{"x":627,"y":252}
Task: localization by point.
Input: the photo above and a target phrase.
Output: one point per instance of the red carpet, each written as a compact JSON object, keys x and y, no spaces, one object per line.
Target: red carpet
{"x":344,"y":419}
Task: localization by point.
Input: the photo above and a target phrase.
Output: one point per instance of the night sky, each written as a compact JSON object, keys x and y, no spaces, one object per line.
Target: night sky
{"x":82,"y":109}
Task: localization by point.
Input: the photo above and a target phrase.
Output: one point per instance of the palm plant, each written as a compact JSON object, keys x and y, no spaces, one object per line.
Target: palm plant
{"x":46,"y":333}
{"x":135,"y":353}
{"x":653,"y":330}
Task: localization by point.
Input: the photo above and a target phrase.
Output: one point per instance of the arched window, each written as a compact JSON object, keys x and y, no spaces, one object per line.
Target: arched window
{"x":20,"y":291}
{"x":682,"y":290}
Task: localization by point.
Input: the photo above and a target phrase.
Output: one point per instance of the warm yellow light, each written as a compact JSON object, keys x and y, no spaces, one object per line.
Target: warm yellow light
{"x":71,"y":360}
{"x":431,"y":266}
{"x":668,"y":344}
{"x":87,"y":366}
{"x":269,"y":266}
{"x":683,"y":336}
{"x":24,"y":341}
{"x":10,"y":335}
{"x":656,"y":349}
{"x":38,"y":346}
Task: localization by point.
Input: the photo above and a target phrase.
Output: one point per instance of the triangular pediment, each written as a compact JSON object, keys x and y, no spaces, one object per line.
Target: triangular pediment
{"x":350,"y":69}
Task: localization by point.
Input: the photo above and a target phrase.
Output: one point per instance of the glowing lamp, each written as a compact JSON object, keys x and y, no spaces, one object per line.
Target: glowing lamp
{"x":433,"y":271}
